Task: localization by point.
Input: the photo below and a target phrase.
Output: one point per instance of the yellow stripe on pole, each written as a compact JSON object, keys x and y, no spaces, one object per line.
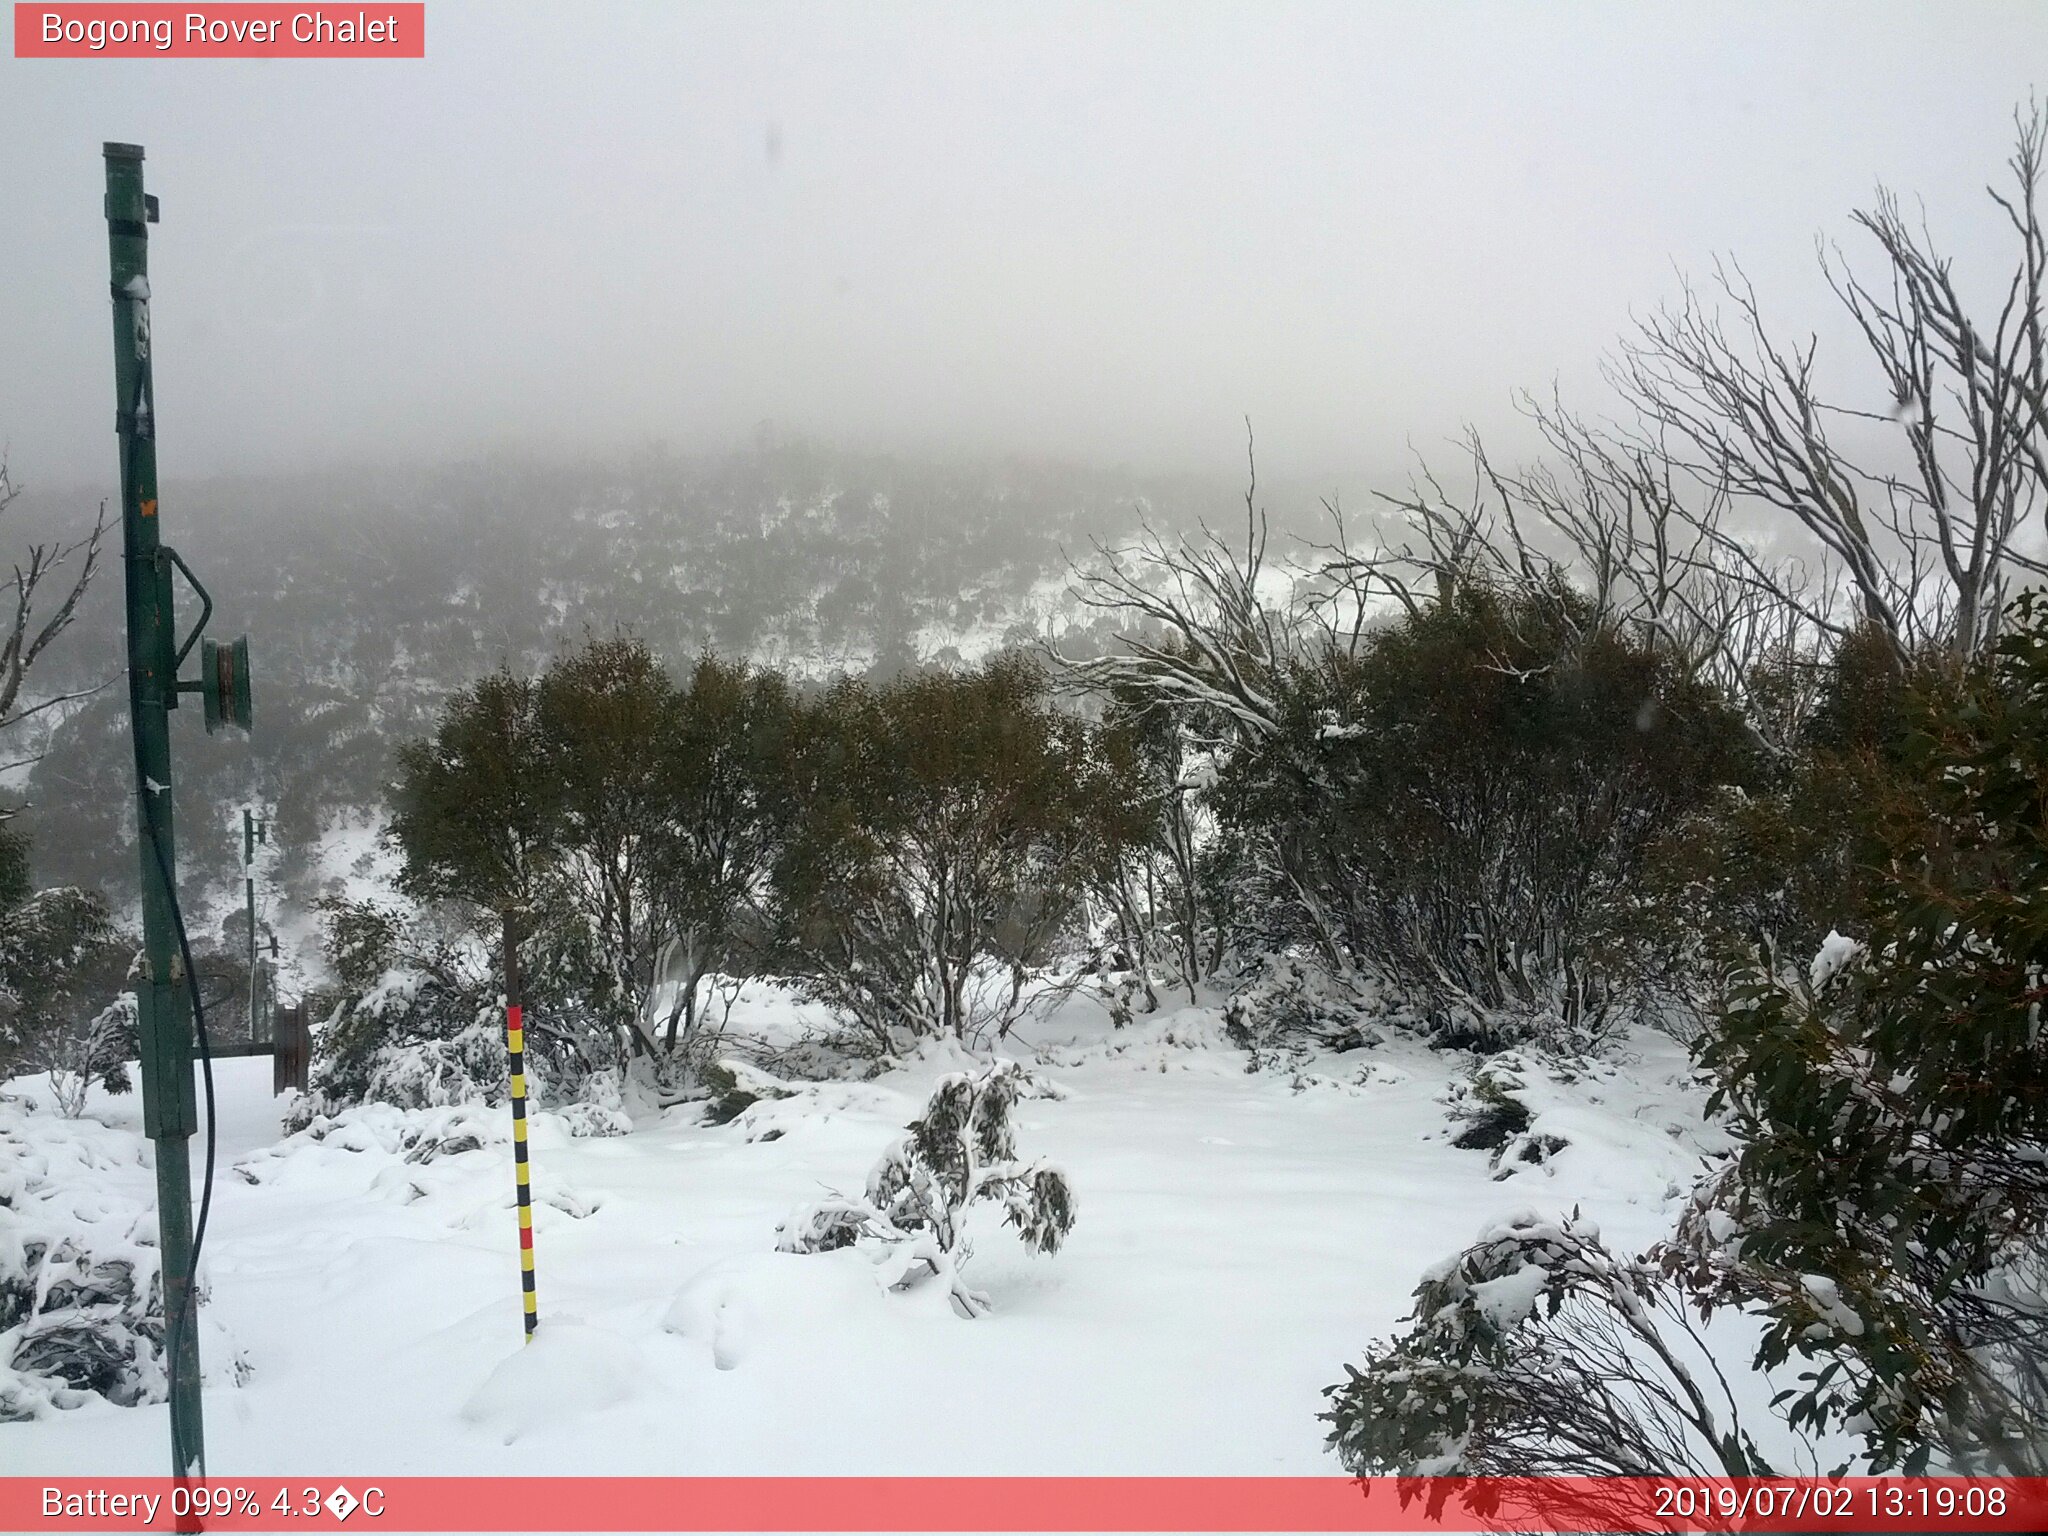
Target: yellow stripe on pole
{"x":515,"y":1069}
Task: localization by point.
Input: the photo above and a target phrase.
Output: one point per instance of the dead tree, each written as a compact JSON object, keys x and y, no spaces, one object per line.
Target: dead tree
{"x":28,"y":634}
{"x":1200,"y":634}
{"x":1929,"y":535}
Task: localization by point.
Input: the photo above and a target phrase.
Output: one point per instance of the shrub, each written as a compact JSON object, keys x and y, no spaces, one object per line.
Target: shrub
{"x":1538,"y":1352}
{"x":960,"y":1153}
{"x":81,"y":1294}
{"x":1463,"y":806}
{"x":416,"y":1022}
{"x":626,"y":822}
{"x":943,"y":828}
{"x":1888,"y":1208}
{"x":63,"y":969}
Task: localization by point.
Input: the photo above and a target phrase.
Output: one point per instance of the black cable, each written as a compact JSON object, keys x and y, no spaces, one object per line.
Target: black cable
{"x":188,"y":1314}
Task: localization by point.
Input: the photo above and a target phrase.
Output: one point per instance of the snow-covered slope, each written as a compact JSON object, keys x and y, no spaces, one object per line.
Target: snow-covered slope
{"x":1239,"y":1237}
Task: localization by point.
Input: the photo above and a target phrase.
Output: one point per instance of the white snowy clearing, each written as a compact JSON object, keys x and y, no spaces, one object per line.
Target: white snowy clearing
{"x":1238,"y":1238}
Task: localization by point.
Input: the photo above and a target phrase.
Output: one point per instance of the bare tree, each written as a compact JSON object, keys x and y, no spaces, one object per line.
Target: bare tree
{"x":28,"y":634}
{"x":1930,"y":535}
{"x":1608,"y":536}
{"x":1199,"y":633}
{"x":1652,"y":548}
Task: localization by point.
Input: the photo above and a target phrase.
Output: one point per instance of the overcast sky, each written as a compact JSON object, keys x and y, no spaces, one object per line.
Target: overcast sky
{"x":1105,"y":232}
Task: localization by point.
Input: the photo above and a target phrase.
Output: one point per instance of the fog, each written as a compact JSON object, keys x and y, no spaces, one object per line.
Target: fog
{"x":1103,"y":232}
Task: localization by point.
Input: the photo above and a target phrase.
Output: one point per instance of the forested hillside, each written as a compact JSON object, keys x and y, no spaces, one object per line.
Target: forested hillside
{"x":369,"y":598}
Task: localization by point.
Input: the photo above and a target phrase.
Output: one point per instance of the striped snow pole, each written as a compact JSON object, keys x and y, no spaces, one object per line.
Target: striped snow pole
{"x":515,"y":1047}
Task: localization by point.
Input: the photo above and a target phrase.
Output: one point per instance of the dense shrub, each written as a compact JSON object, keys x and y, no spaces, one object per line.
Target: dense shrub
{"x":625,"y":822}
{"x":1164,"y":918}
{"x":63,"y":974}
{"x":412,"y":1019}
{"x":1463,"y":807}
{"x":1888,"y":1209}
{"x":1538,"y":1352}
{"x":943,"y":830}
{"x":1770,"y":867}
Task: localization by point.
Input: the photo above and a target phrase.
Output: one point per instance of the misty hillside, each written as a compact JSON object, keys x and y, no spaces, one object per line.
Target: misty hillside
{"x":1272,"y":766}
{"x":369,"y":599}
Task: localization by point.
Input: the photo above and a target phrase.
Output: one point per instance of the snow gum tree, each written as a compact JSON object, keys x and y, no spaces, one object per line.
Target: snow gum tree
{"x":720,"y":755}
{"x":474,"y":809}
{"x":601,"y":713}
{"x":1888,"y":1209}
{"x":1464,"y":806}
{"x":1154,"y":881}
{"x":944,"y":827}
{"x":477,"y":811}
{"x":627,"y":820}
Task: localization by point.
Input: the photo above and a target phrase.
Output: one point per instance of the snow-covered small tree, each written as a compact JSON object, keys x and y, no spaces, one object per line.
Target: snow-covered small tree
{"x":1538,"y":1352}
{"x":960,"y":1153}
{"x":80,"y":1052}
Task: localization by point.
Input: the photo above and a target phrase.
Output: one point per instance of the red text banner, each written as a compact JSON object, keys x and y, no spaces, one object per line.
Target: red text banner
{"x":922,"y":1504}
{"x":241,"y":31}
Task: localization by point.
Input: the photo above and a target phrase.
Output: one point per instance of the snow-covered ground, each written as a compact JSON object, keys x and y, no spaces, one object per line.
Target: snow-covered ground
{"x":1239,"y":1237}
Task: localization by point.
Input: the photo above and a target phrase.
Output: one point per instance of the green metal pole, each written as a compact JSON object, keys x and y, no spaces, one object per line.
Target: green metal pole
{"x":249,"y":899}
{"x":169,"y":1113}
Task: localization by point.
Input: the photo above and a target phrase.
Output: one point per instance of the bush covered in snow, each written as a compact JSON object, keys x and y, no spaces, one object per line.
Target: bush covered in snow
{"x":1293,"y":1005}
{"x":1888,"y":1207}
{"x":81,"y":1290}
{"x":1538,"y":1352}
{"x":960,"y":1153}
{"x":416,"y":1021}
{"x":1489,"y":1109}
{"x":1460,"y":802}
{"x":63,"y":968}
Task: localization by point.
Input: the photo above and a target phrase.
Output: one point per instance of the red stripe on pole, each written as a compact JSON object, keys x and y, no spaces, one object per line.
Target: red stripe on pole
{"x":1148,"y":1504}
{"x":512,"y":1016}
{"x":526,"y":1237}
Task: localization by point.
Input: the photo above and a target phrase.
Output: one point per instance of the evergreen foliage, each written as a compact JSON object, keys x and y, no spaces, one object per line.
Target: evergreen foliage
{"x":63,"y":971}
{"x":946,"y":829}
{"x":1538,"y":1352}
{"x":960,"y":1153}
{"x":1888,"y":1209}
{"x":1464,"y":806}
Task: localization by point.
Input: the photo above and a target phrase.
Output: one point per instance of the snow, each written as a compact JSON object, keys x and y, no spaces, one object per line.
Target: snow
{"x":568,"y":1370}
{"x":1507,"y":1301}
{"x":1826,"y":1296}
{"x":1241,"y":1236}
{"x":1837,"y":952}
